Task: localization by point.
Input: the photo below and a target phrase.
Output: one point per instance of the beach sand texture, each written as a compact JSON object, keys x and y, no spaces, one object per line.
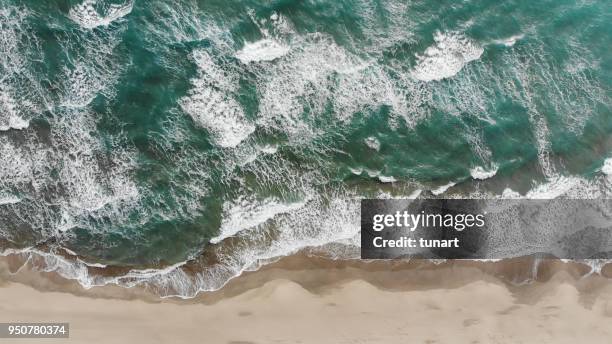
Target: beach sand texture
{"x":264,"y":307}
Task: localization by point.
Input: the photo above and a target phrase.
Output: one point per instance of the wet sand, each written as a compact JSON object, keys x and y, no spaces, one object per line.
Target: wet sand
{"x":313,"y":300}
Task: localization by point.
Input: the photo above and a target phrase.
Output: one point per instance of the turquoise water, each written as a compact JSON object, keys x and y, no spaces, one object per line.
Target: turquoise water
{"x":141,"y":134}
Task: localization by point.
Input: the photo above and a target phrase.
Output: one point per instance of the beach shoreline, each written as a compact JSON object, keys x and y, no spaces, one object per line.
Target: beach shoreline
{"x":302,"y":299}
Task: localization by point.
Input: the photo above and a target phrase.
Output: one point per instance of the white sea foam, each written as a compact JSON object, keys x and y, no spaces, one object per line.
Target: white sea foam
{"x":301,"y":76}
{"x":415,"y":194}
{"x":310,"y":75}
{"x":373,"y":143}
{"x":510,"y":194}
{"x":607,"y":167}
{"x":596,"y":265}
{"x":315,"y":73}
{"x":384,"y":24}
{"x":223,"y":117}
{"x":298,"y":228}
{"x":18,"y":172}
{"x":78,"y":269}
{"x":309,"y":226}
{"x":573,"y":95}
{"x":21,"y":94}
{"x":80,"y":261}
{"x":270,"y":47}
{"x":372,"y":173}
{"x":449,"y":54}
{"x":8,"y":199}
{"x":89,"y":192}
{"x":10,"y":117}
{"x":14,"y":123}
{"x":211,"y":103}
{"x":542,"y":133}
{"x":172,"y":23}
{"x":365,"y":86}
{"x":294,"y":230}
{"x":510,"y":41}
{"x":80,"y":181}
{"x":562,"y":187}
{"x":15,"y":110}
{"x":95,"y":67}
{"x":356,"y":171}
{"x":263,"y":50}
{"x":269,"y":149}
{"x":93,"y":13}
{"x":554,"y":188}
{"x":386,"y":179}
{"x":82,"y":85}
{"x":246,"y":213}
{"x":481,"y":173}
{"x":443,"y":188}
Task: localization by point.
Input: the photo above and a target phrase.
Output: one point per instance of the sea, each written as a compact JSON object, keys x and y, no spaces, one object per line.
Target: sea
{"x":177,"y":144}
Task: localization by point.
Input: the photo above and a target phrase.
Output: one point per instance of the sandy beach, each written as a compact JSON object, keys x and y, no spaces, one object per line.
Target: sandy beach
{"x":329,"y":302}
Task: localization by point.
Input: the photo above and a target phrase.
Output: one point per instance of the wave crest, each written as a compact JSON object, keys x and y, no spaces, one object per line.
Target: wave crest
{"x":446,"y":57}
{"x":93,"y":13}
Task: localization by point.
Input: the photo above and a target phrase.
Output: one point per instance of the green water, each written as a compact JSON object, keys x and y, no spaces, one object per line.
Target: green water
{"x":133,"y":133}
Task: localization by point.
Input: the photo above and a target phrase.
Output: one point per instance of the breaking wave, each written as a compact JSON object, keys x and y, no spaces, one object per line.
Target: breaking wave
{"x":449,"y":54}
{"x":264,"y":50}
{"x":211,"y":103}
{"x":481,"y":173}
{"x":93,"y":13}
